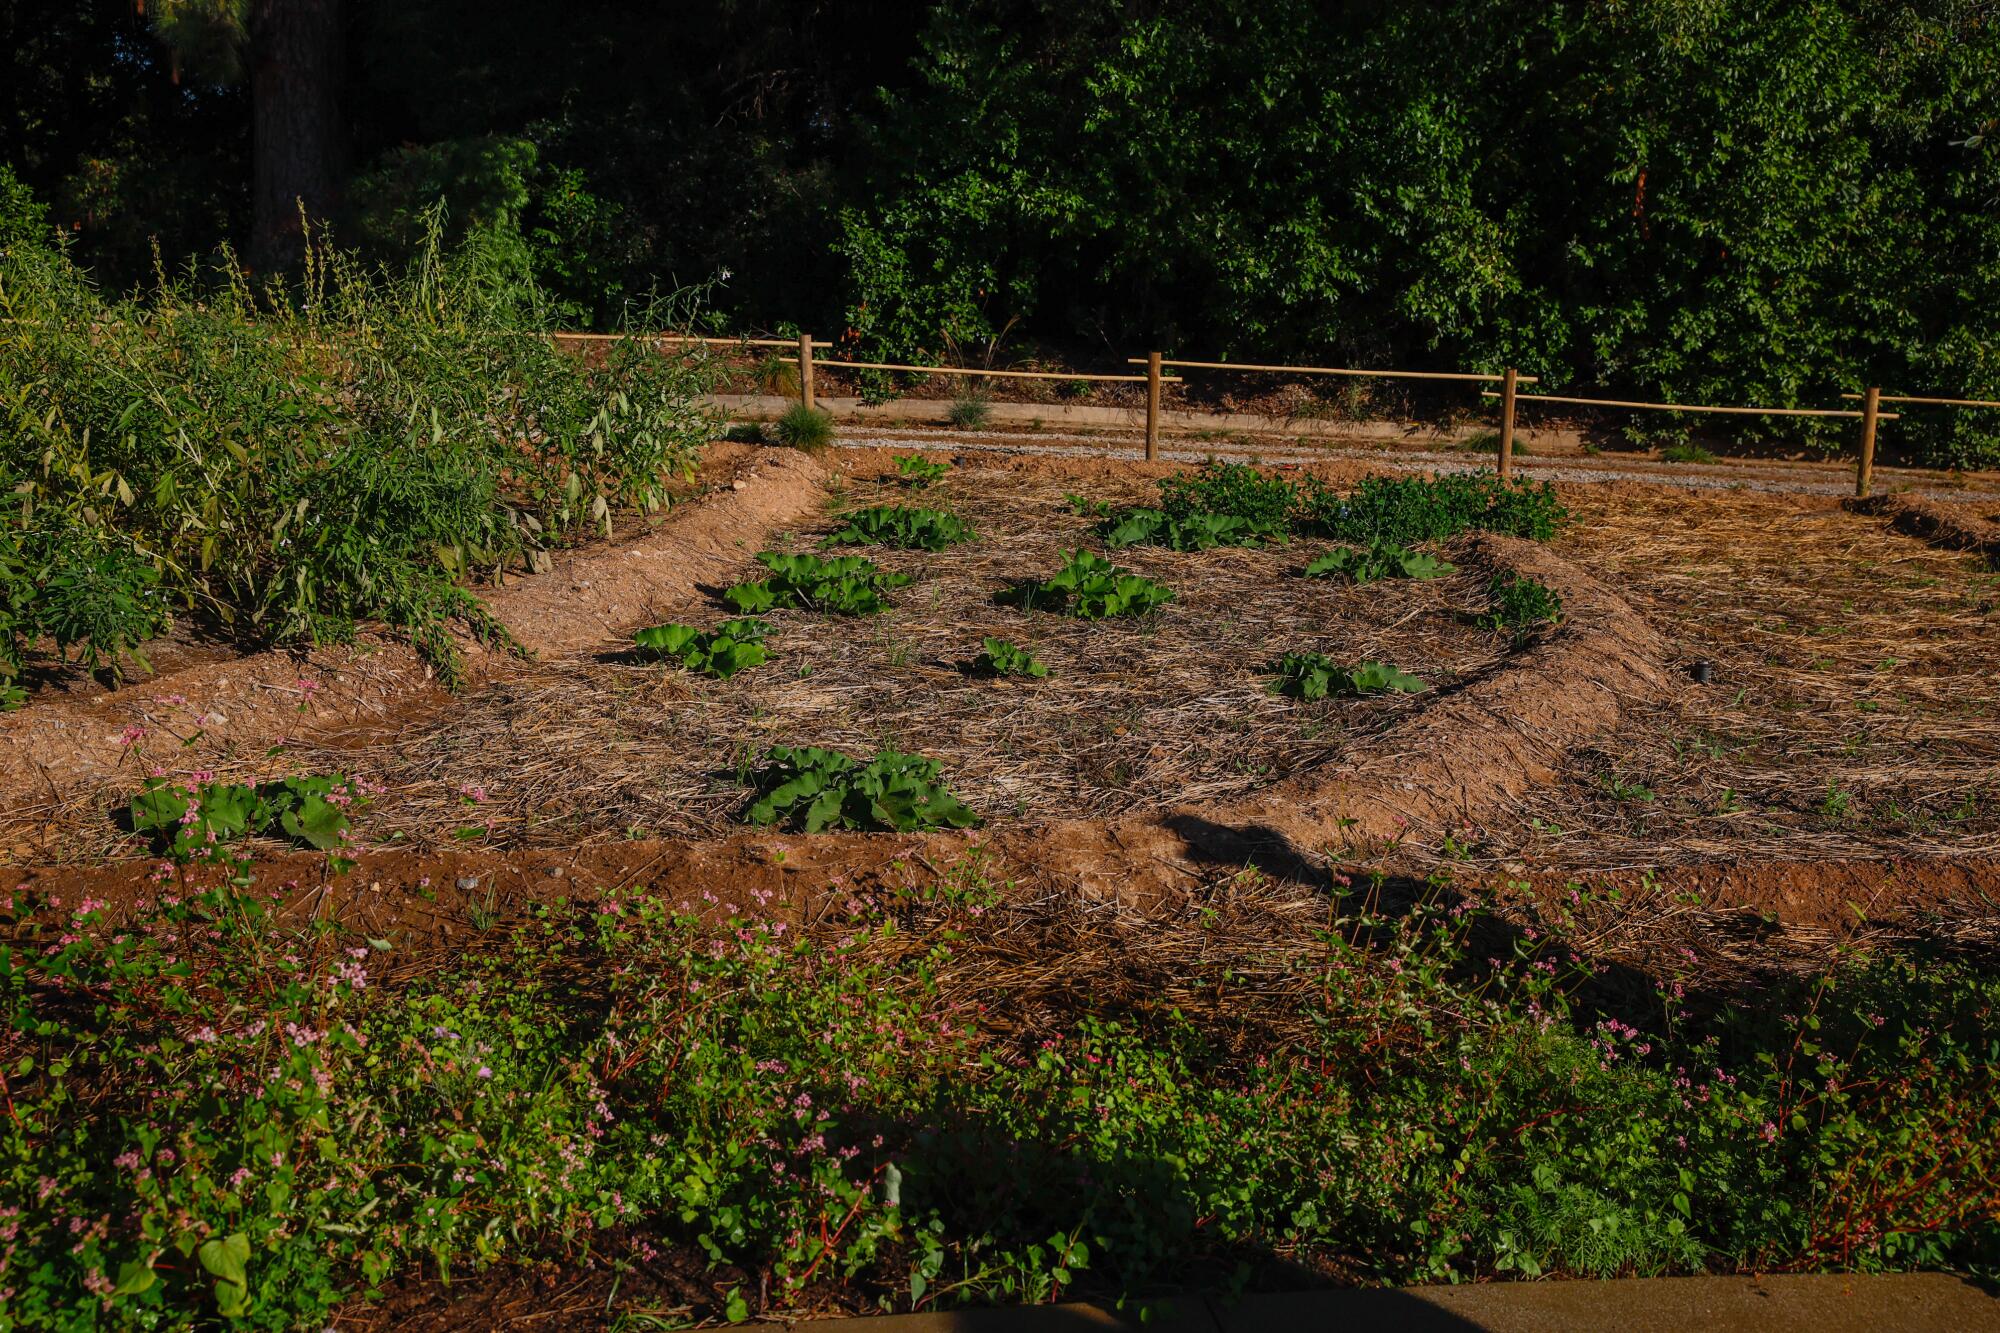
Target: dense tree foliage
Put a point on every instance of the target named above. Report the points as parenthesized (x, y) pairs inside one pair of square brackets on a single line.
[(1723, 200)]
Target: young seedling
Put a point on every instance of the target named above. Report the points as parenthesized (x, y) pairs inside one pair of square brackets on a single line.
[(920, 473), (1002, 657), (1316, 676), (1521, 606)]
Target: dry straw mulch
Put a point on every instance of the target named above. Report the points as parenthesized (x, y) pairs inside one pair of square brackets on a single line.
[(1855, 709), (1136, 713)]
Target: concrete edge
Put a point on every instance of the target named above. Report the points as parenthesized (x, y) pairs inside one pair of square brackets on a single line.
[(1790, 1303)]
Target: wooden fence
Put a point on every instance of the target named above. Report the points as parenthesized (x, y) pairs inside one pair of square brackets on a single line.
[(1869, 414)]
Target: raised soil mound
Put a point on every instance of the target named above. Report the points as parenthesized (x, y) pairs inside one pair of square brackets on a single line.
[(1965, 527), (51, 749)]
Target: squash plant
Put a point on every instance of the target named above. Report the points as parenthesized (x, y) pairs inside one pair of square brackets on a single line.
[(1381, 560), (732, 646), (816, 789), (1316, 676), (190, 822), (848, 585), (902, 526), (1092, 587)]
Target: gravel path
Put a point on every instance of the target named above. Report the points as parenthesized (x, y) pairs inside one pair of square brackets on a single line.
[(1784, 478)]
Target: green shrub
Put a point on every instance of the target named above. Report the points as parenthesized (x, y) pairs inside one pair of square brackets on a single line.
[(732, 646), (1090, 586), (1381, 560), (1316, 676), (904, 527), (745, 432), (803, 427), (1409, 511), (815, 790), (969, 412), (1002, 657), (1224, 504), (1521, 606), (848, 585)]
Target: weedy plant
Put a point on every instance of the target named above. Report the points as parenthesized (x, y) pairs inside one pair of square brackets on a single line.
[(815, 789), (803, 427), (848, 585), (1380, 560), (1521, 607), (1316, 676), (969, 412), (189, 1086), (903, 526), (1003, 657), (732, 646), (1090, 586), (198, 822), (281, 465), (918, 472)]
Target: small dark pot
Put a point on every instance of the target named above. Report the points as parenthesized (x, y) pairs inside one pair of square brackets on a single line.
[(1703, 672)]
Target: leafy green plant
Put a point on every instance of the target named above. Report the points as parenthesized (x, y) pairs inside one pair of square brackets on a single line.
[(732, 646), (643, 1079), (1521, 606), (1223, 504), (1090, 586), (920, 473), (803, 427), (198, 822), (1381, 560), (1316, 676), (1184, 532), (848, 585), (903, 526), (1002, 657), (816, 789), (969, 412), (746, 432), (1409, 511)]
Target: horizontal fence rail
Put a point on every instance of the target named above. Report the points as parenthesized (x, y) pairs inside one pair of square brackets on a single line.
[(974, 372), (1934, 402), (1350, 371), (1869, 414), (1708, 407)]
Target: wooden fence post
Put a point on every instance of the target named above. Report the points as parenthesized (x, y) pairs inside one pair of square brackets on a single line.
[(806, 370), (1152, 405), (1864, 471), (1507, 424)]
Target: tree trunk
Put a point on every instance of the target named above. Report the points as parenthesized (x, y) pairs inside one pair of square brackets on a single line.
[(296, 51)]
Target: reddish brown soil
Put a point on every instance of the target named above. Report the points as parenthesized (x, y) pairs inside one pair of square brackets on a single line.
[(54, 747)]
